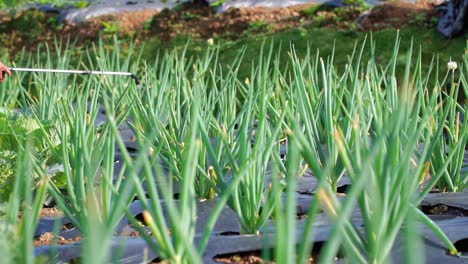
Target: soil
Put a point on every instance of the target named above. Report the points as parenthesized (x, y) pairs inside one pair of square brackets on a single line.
[(31, 27), (248, 258), (50, 212), (442, 209), (397, 15), (201, 21), (253, 257), (48, 238)]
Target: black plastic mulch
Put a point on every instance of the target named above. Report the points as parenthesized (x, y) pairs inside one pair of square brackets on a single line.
[(446, 209)]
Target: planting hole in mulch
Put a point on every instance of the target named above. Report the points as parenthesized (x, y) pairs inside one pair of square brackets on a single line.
[(75, 261), (462, 246), (142, 222), (130, 233), (159, 260), (442, 209), (283, 156), (300, 213), (176, 196), (244, 257), (67, 226), (255, 256), (140, 219), (228, 233), (137, 198), (343, 188)]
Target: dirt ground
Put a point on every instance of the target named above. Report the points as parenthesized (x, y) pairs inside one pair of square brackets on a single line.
[(397, 15), (28, 28), (48, 238), (254, 257)]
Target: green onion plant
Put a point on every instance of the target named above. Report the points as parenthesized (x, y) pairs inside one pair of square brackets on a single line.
[(449, 149)]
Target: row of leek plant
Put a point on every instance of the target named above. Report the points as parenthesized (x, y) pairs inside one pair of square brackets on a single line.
[(247, 150)]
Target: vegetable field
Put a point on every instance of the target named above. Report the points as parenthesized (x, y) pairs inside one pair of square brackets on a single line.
[(298, 163)]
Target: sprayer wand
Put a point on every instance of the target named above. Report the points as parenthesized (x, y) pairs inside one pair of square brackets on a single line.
[(131, 75)]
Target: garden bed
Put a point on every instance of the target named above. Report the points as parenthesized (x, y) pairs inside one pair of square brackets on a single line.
[(290, 156)]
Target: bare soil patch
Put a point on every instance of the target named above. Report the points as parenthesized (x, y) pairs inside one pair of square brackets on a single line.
[(50, 212), (201, 21), (253, 257), (397, 15), (48, 238)]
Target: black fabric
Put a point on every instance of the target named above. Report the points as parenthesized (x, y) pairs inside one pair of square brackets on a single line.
[(454, 19)]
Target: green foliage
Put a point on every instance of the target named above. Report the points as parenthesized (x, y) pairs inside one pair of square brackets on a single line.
[(81, 4), (29, 24), (12, 3), (217, 3), (8, 241), (110, 28), (148, 24), (259, 25), (188, 15), (356, 3), (7, 170), (312, 10), (20, 213), (449, 150), (14, 129), (217, 133)]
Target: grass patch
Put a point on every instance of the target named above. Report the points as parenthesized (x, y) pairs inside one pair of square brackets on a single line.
[(322, 39)]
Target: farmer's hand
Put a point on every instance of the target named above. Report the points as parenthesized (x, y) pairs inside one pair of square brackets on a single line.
[(3, 69)]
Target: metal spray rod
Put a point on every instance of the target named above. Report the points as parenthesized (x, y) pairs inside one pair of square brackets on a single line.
[(131, 75)]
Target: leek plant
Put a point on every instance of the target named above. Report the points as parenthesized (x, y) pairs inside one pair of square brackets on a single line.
[(322, 100), (449, 150), (285, 213), (391, 177), (246, 151)]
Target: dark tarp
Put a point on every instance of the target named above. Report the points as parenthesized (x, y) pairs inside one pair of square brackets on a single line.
[(453, 19)]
